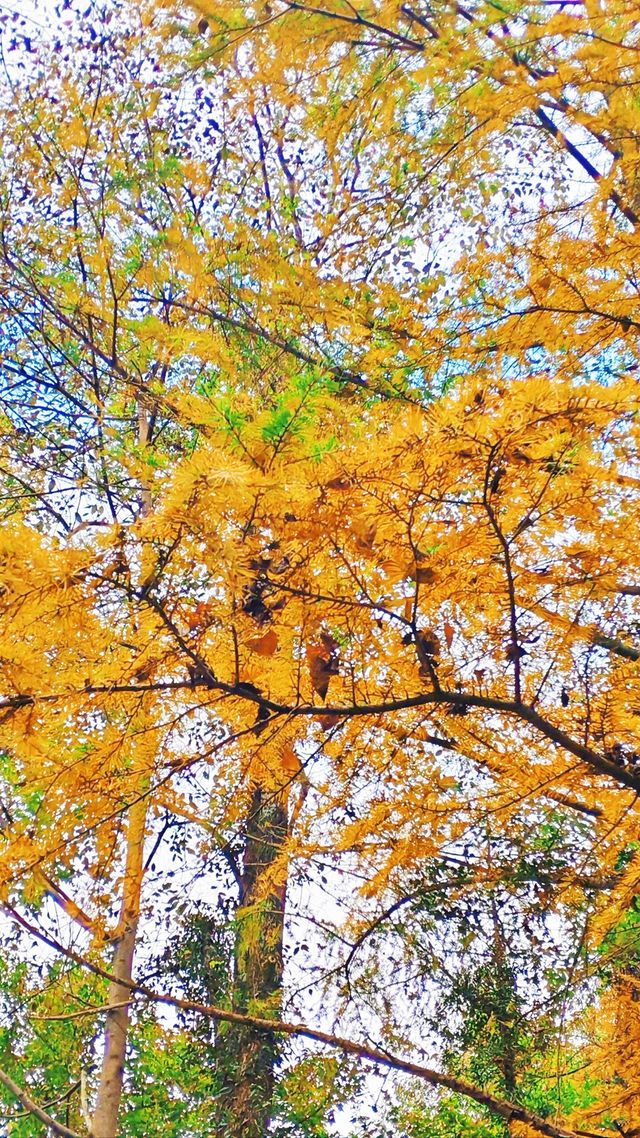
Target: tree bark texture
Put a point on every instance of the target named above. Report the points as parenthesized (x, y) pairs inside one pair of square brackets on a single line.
[(248, 1056), (105, 1117)]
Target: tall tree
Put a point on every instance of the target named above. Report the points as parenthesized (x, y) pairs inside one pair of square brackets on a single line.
[(320, 555)]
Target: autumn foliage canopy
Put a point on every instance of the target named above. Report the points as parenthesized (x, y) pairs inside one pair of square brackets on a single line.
[(320, 569)]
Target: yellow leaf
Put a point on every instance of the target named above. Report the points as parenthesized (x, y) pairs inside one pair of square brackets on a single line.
[(291, 764)]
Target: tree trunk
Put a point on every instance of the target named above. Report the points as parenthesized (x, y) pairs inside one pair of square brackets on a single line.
[(249, 1057), (506, 1012), (105, 1117)]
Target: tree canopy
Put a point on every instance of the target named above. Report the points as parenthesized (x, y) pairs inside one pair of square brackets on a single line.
[(319, 569)]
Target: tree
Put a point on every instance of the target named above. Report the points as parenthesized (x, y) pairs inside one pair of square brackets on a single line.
[(320, 554)]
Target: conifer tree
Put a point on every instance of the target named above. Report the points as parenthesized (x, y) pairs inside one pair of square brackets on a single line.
[(319, 566)]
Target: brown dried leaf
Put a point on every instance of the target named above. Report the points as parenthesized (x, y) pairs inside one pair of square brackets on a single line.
[(264, 645), (323, 663)]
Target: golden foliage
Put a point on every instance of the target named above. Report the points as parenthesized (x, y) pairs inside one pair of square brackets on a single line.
[(333, 472)]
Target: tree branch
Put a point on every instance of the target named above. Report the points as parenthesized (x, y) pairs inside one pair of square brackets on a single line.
[(32, 1108), (442, 698), (510, 1111)]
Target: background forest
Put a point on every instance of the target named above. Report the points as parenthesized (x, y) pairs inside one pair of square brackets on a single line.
[(320, 569)]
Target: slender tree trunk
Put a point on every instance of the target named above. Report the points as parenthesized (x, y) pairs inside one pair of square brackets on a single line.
[(105, 1117), (249, 1057)]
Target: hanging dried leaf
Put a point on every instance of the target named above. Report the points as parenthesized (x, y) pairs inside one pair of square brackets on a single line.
[(264, 645), (323, 663), (428, 643), (424, 575)]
